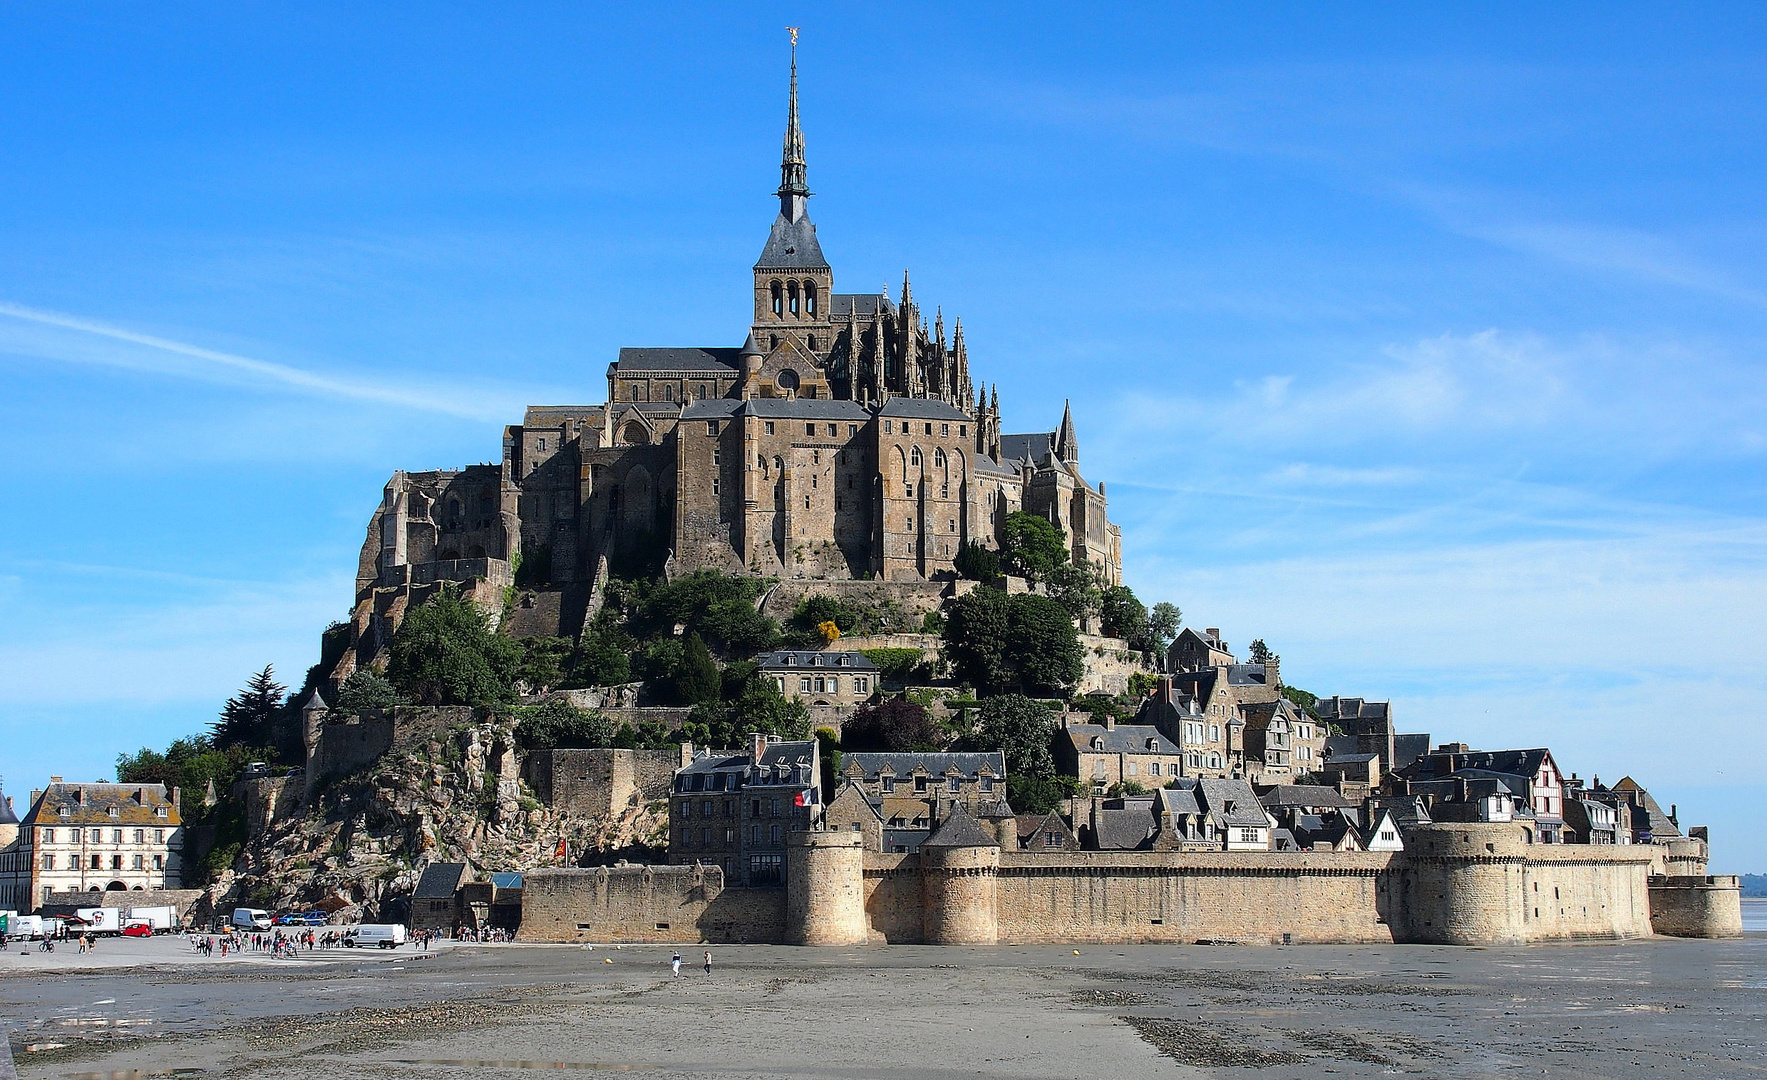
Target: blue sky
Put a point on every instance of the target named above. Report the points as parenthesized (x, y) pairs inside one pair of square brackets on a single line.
[(1426, 345)]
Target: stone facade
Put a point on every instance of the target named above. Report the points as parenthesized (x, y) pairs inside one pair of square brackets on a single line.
[(118, 838), (1455, 884), (602, 782), (843, 440)]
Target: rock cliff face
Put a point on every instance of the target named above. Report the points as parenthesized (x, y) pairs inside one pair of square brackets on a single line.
[(448, 788)]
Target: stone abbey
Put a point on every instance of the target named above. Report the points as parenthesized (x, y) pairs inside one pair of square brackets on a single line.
[(844, 439)]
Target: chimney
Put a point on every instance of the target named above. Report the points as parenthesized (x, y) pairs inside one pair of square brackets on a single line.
[(55, 779), (1213, 633), (1674, 816), (757, 742), (178, 799), (1110, 721), (686, 754), (1163, 690), (1461, 789)]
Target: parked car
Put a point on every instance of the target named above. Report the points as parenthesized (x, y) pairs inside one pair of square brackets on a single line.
[(138, 929), (248, 919), (314, 918)]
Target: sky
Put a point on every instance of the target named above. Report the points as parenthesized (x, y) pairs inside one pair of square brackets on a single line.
[(1423, 342)]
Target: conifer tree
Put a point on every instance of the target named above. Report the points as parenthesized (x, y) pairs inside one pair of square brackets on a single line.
[(247, 716)]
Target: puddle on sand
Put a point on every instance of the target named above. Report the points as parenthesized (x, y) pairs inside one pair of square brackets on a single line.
[(133, 1074), (456, 1063)]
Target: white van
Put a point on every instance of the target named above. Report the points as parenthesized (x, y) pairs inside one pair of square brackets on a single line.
[(250, 918), (25, 927), (385, 935)]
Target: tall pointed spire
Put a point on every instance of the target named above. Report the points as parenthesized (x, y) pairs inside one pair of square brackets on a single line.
[(1067, 445), (793, 185)]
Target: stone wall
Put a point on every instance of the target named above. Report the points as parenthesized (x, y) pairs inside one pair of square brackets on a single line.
[(603, 782), (1703, 907), (915, 598), (1456, 884), (659, 904), (268, 800), (63, 904), (1109, 663)]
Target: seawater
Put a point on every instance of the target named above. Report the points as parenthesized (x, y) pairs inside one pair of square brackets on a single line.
[(1754, 916)]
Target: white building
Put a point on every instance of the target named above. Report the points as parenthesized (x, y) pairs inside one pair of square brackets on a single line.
[(92, 838)]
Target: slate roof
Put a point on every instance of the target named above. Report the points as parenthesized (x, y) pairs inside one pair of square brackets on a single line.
[(788, 753), (922, 409), (1033, 447), (842, 304), (1512, 762), (1352, 708), (1125, 827), (1177, 801), (792, 245), (1030, 824), (538, 416), (440, 881), (7, 817), (1408, 748), (806, 409), (711, 409), (1125, 739), (136, 804), (1232, 803), (1303, 795), (904, 763), (960, 830), (792, 659), (506, 880), (720, 361), (982, 463)]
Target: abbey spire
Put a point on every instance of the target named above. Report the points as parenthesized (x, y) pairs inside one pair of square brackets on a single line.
[(1067, 444), (794, 189)]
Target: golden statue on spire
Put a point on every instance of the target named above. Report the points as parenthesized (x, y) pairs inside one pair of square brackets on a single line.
[(793, 31)]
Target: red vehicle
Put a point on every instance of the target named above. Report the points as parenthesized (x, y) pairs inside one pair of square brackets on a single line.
[(138, 929)]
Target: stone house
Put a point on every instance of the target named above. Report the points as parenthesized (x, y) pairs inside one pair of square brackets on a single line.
[(1531, 775), (735, 810), (1198, 651), (1367, 727), (1045, 833), (830, 684), (1282, 742), (1101, 755), (910, 793), (1648, 823), (93, 838), (1209, 744), (436, 902)]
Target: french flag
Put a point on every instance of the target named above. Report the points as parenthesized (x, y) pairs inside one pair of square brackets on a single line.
[(806, 797)]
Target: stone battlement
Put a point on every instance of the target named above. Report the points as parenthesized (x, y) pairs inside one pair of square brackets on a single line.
[(1472, 884)]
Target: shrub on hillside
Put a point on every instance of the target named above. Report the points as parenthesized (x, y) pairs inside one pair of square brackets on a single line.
[(444, 653)]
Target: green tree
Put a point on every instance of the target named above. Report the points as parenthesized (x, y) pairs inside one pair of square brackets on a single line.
[(602, 660), (1032, 546), (1076, 587), (1162, 625), (1039, 794), (894, 726), (557, 724), (977, 562), (444, 653), (1000, 643), (696, 678), (1022, 728), (717, 606), (367, 689), (543, 663), (760, 707), (1124, 616), (248, 715), (1309, 703)]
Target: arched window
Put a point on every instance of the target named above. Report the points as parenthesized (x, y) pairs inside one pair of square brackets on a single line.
[(938, 458), (810, 300), (635, 435), (791, 297), (702, 391), (761, 463), (1214, 761), (787, 380), (812, 341), (778, 299), (914, 458), (668, 393)]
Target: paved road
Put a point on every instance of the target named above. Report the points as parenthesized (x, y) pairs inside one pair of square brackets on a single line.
[(1654, 1008)]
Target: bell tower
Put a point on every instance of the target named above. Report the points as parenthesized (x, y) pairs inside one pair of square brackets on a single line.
[(793, 282)]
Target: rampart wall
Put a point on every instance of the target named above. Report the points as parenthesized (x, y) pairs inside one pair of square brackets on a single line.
[(602, 782), (1455, 884), (647, 904)]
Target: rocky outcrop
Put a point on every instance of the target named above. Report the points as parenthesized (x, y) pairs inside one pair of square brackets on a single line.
[(448, 788)]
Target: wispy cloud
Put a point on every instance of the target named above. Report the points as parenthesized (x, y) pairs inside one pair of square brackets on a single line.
[(73, 339)]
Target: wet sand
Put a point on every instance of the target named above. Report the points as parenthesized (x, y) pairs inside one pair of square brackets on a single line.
[(1652, 1008)]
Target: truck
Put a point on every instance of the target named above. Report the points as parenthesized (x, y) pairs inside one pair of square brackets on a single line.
[(162, 918), (251, 918), (25, 927), (384, 935), (101, 920)]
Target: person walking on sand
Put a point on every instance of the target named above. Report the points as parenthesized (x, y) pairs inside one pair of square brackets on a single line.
[(708, 961), (675, 964)]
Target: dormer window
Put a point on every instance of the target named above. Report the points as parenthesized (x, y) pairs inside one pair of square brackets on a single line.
[(115, 813), (790, 660), (846, 661)]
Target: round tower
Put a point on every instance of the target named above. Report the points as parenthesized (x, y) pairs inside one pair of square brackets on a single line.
[(1462, 884), (958, 866), (825, 888)]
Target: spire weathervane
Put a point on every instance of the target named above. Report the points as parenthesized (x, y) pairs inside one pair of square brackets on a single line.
[(793, 186)]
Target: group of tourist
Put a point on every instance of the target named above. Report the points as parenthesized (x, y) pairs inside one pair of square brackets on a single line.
[(482, 934)]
